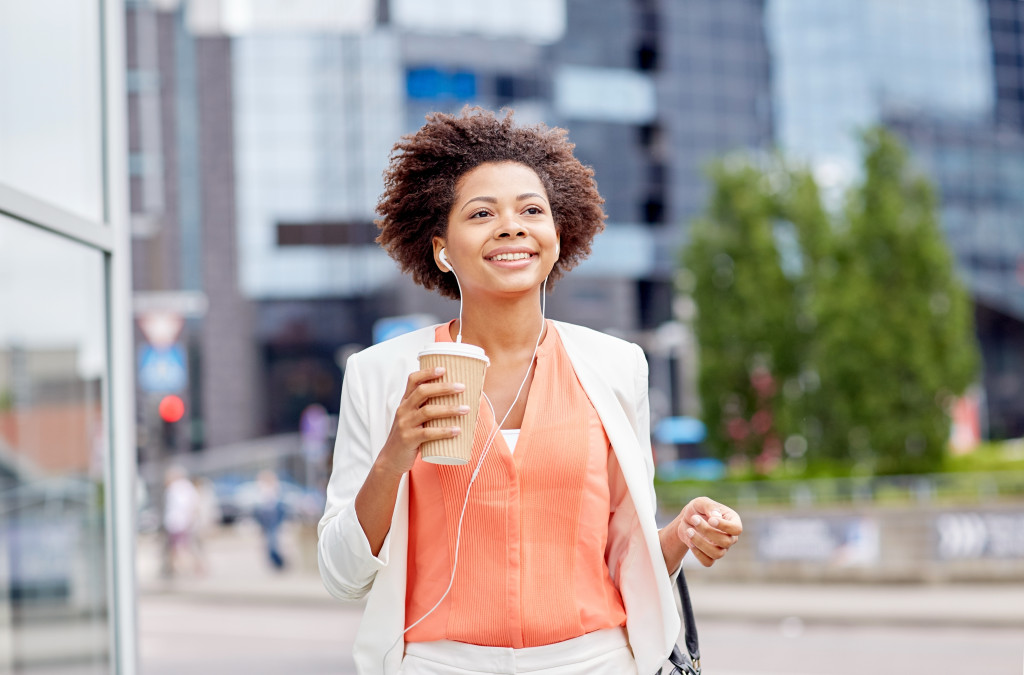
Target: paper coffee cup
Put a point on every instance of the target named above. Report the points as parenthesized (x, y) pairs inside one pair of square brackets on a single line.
[(462, 363)]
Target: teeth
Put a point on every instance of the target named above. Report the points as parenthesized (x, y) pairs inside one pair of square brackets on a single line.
[(511, 256)]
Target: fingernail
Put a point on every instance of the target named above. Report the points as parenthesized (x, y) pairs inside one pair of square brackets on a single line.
[(458, 386), (717, 514), (690, 532), (695, 520), (439, 370), (463, 409), (455, 431)]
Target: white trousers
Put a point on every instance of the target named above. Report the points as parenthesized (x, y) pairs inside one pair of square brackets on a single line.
[(603, 652)]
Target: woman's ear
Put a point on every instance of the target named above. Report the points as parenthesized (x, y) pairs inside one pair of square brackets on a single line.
[(441, 256)]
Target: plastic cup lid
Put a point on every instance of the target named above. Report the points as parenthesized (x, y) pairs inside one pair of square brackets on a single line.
[(456, 349)]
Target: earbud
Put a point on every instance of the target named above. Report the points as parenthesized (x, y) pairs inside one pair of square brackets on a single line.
[(558, 248), (444, 260)]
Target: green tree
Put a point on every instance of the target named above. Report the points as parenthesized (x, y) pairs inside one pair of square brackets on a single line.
[(749, 313), (894, 337), (828, 343)]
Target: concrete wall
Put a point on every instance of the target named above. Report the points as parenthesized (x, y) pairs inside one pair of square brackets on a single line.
[(871, 543)]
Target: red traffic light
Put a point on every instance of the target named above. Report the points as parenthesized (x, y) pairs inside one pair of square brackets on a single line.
[(172, 408)]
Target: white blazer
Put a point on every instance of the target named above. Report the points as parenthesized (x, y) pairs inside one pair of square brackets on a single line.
[(614, 375)]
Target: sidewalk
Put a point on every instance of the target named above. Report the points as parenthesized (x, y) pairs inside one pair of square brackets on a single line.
[(237, 569), (237, 572), (975, 605)]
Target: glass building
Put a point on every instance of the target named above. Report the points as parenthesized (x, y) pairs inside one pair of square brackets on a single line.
[(258, 146), (838, 67), (277, 126), (67, 450)]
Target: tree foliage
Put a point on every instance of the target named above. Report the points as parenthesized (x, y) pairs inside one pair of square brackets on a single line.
[(827, 341), (895, 337)]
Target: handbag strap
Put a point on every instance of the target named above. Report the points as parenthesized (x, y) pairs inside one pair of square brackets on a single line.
[(686, 663), (689, 623)]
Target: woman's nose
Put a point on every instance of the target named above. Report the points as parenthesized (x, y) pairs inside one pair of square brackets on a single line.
[(510, 227)]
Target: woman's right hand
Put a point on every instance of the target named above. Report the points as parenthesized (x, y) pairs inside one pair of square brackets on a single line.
[(408, 431)]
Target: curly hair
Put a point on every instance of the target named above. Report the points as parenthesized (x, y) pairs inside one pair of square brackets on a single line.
[(424, 170)]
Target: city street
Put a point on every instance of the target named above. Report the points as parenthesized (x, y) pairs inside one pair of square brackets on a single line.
[(240, 617), (188, 635)]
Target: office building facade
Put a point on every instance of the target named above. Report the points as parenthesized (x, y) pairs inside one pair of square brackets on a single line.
[(279, 163), (276, 131)]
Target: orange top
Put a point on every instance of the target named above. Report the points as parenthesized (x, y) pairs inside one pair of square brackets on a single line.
[(532, 569)]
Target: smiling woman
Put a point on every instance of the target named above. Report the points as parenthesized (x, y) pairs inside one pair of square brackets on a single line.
[(540, 554)]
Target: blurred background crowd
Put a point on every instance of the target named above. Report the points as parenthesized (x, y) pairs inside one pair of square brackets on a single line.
[(815, 232)]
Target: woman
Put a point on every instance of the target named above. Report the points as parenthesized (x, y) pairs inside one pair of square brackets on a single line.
[(558, 567)]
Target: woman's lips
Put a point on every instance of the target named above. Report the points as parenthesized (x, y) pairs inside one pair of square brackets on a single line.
[(511, 257), (518, 261)]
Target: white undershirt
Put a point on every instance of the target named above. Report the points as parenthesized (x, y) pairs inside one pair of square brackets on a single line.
[(511, 437)]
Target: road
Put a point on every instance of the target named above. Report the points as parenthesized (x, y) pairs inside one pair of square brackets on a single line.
[(190, 635)]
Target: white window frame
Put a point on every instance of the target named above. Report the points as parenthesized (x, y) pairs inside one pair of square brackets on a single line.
[(111, 236)]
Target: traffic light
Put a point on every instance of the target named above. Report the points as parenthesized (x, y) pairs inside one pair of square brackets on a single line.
[(171, 409)]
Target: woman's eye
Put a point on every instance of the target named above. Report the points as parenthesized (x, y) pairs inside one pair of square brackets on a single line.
[(480, 214), (534, 211)]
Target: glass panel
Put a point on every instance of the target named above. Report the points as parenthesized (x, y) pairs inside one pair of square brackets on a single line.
[(53, 444), (50, 107)]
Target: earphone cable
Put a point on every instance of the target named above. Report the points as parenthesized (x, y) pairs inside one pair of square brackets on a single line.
[(492, 434)]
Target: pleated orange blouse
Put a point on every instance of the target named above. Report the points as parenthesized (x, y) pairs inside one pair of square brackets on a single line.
[(532, 568)]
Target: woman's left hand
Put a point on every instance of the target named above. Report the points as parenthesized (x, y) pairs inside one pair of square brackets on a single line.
[(705, 527)]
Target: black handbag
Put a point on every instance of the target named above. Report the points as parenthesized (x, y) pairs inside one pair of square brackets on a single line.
[(685, 662)]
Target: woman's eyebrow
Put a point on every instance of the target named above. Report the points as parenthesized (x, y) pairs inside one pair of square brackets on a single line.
[(494, 200), (489, 200)]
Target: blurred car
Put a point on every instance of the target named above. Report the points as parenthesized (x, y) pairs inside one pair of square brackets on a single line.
[(49, 530), (239, 498)]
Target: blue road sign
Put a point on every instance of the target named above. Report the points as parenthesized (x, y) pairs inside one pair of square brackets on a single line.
[(680, 430), (162, 370), (393, 326)]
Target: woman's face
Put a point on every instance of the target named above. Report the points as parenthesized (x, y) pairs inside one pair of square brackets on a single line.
[(501, 237)]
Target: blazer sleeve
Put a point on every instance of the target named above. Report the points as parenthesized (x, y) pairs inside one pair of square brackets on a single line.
[(643, 420), (347, 565)]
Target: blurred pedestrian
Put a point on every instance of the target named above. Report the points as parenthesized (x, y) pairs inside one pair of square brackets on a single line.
[(181, 515), (270, 514), (313, 431), (207, 518)]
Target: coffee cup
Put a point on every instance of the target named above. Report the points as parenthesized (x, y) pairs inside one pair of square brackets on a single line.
[(462, 363)]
